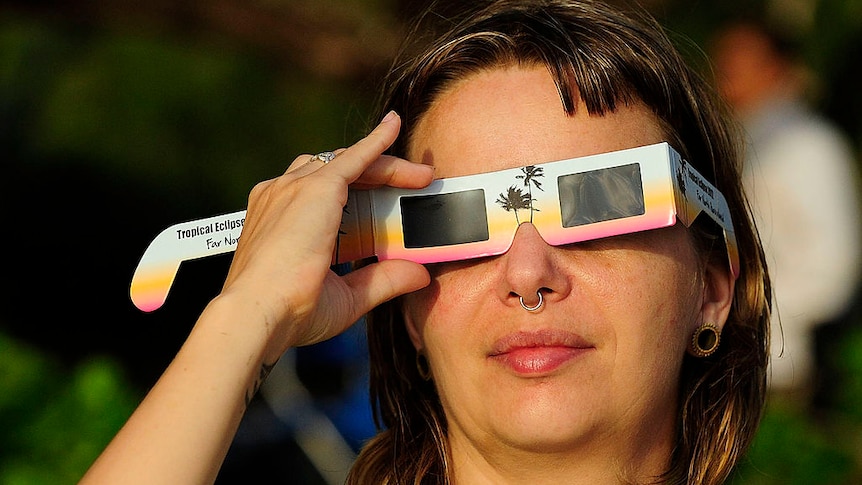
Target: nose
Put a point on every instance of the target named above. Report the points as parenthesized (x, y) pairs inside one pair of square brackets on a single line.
[(531, 266)]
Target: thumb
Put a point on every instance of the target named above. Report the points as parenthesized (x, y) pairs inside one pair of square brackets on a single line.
[(383, 281)]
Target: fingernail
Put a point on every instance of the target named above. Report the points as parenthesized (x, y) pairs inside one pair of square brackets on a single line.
[(389, 117)]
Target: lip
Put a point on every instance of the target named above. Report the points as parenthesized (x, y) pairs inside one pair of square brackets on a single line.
[(538, 353)]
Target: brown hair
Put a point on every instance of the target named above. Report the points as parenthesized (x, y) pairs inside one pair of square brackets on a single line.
[(605, 57)]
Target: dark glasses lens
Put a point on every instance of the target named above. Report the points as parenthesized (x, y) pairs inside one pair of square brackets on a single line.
[(601, 195), (444, 219)]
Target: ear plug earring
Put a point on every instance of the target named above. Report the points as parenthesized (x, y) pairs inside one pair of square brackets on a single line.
[(705, 340)]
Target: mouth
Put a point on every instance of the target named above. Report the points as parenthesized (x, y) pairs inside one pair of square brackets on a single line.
[(538, 353)]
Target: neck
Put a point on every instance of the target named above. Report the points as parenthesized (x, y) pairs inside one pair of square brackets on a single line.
[(593, 463)]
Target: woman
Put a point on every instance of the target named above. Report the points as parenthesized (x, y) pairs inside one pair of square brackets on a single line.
[(592, 362)]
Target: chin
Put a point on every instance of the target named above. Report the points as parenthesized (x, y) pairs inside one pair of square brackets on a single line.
[(551, 425)]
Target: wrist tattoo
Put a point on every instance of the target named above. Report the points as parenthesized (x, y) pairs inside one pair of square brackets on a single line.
[(265, 369)]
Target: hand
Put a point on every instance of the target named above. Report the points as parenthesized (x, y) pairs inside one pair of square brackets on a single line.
[(280, 273)]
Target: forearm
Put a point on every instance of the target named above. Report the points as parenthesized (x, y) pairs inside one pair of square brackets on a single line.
[(279, 293), (182, 430)]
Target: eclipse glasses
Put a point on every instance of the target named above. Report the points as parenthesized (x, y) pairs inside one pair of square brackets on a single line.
[(475, 216)]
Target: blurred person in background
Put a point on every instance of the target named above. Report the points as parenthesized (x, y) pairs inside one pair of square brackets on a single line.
[(801, 180)]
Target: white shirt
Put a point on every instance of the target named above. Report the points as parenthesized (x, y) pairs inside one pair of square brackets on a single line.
[(801, 181)]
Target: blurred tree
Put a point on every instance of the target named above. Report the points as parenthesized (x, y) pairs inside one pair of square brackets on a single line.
[(123, 123), (55, 420)]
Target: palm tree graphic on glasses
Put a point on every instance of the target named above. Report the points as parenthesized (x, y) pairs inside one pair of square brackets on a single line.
[(515, 199)]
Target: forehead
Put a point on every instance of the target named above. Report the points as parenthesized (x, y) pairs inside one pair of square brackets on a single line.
[(511, 117)]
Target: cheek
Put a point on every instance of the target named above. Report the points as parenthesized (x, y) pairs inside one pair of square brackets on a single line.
[(662, 302), (649, 345), (453, 286), (430, 304), (452, 298), (417, 307)]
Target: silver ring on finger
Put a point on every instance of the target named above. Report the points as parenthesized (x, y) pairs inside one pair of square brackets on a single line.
[(324, 157)]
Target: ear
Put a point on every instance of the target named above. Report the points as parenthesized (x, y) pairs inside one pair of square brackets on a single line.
[(718, 291), (412, 330)]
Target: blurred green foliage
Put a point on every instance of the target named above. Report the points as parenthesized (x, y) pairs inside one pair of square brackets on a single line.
[(164, 111), (797, 447), (55, 420), (791, 449)]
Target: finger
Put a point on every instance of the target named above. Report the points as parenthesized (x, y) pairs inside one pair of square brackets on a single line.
[(305, 164), (346, 300), (353, 161), (395, 172), (383, 281)]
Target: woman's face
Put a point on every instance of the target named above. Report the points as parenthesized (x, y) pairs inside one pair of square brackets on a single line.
[(594, 370)]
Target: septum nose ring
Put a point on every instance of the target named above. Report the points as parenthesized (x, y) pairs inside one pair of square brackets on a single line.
[(535, 307)]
